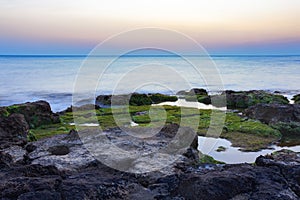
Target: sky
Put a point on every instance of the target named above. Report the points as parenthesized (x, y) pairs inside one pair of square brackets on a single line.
[(221, 27)]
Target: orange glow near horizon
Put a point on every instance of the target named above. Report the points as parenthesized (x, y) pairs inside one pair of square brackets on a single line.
[(212, 23)]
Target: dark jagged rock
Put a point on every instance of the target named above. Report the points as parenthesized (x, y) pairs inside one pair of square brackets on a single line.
[(196, 94), (284, 118), (193, 91), (134, 99), (288, 165), (245, 99), (274, 113), (275, 176), (13, 130), (36, 113)]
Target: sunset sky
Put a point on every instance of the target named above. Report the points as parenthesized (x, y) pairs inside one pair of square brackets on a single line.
[(222, 27)]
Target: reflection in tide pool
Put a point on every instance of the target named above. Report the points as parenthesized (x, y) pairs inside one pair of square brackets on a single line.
[(233, 155), (190, 104)]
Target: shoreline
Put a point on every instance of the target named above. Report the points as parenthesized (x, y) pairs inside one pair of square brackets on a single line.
[(59, 101), (236, 120)]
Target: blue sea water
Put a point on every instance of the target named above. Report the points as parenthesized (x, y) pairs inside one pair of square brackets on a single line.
[(52, 78)]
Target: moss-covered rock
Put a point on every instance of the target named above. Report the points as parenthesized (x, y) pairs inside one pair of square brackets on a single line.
[(274, 113), (196, 94), (200, 98), (245, 99), (36, 113), (159, 98), (296, 99), (135, 99), (288, 129), (206, 159), (193, 91)]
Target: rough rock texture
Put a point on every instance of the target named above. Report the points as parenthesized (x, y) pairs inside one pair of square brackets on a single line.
[(67, 153), (60, 167), (13, 130), (36, 113), (274, 113), (245, 99)]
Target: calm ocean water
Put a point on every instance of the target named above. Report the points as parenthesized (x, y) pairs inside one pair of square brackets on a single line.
[(52, 78)]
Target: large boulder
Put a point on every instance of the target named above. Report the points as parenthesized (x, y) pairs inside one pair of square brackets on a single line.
[(274, 113), (13, 130), (245, 99), (36, 113)]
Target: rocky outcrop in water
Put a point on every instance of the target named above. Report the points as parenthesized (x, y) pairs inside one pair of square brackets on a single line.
[(134, 99), (245, 99), (195, 94)]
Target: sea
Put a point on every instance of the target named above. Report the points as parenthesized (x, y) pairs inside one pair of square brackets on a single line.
[(56, 78)]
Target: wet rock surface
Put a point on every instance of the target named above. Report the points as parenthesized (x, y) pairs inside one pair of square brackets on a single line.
[(274, 113), (60, 167)]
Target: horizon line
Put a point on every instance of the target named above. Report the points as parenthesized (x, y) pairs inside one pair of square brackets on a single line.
[(145, 55)]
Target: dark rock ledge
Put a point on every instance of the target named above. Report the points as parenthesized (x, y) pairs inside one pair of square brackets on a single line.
[(61, 168)]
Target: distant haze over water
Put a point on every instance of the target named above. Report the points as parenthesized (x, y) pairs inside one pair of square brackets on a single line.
[(30, 78)]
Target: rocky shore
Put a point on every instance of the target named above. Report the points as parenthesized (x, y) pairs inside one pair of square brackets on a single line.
[(42, 157)]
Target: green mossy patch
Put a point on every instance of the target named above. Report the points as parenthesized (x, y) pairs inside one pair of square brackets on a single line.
[(135, 99), (50, 130), (221, 149), (3, 112), (200, 98), (246, 99), (159, 98), (235, 123), (206, 159), (13, 109), (296, 99), (245, 133)]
